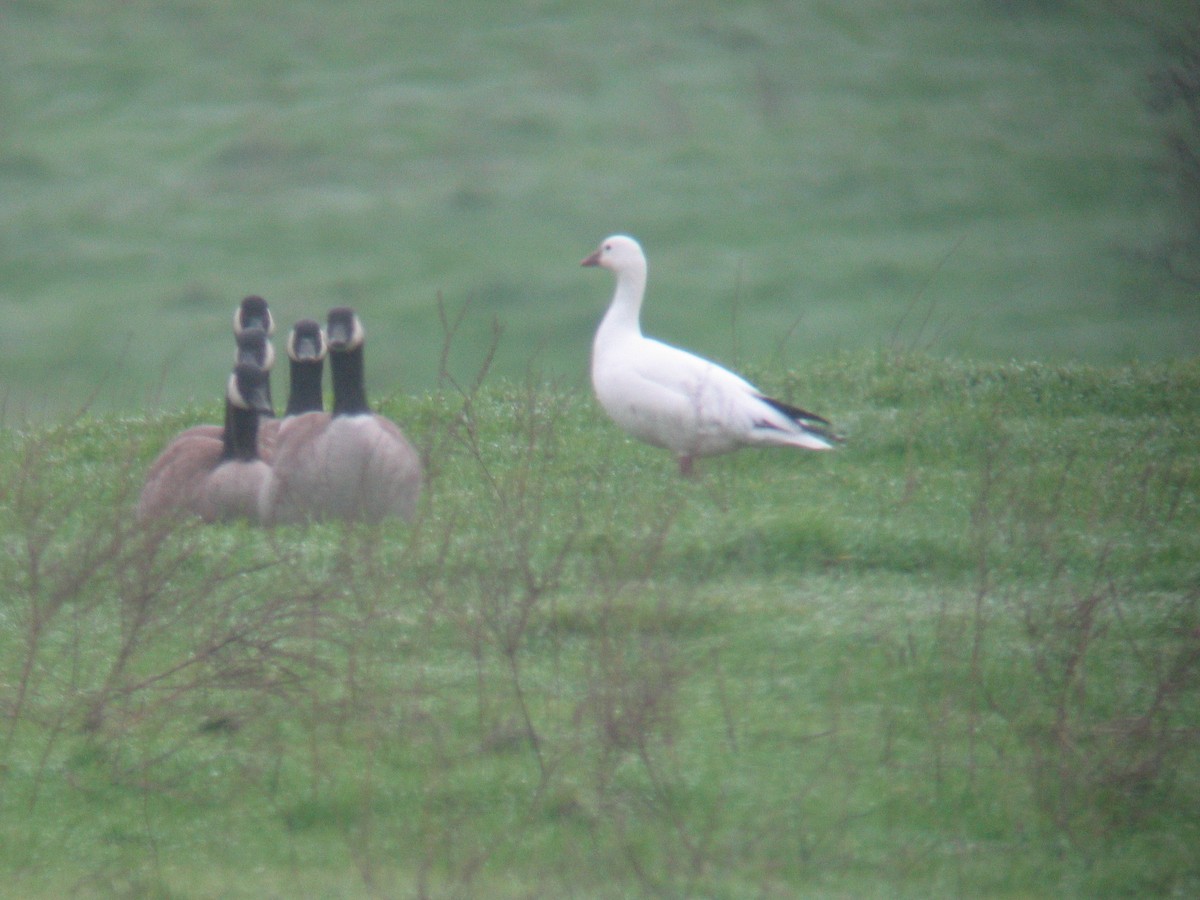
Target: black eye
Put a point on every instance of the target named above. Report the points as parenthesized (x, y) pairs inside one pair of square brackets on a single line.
[(608, 246)]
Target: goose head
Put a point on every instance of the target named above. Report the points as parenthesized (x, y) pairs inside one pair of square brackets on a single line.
[(253, 312), (253, 346), (306, 342), (247, 388), (618, 253), (344, 330)]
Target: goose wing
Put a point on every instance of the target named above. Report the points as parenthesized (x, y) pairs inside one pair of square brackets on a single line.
[(675, 399)]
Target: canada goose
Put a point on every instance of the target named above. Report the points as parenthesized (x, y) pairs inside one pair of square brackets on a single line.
[(671, 398), (215, 478), (253, 312), (253, 346), (350, 464), (306, 349)]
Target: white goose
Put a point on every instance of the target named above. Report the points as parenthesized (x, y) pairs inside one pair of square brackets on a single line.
[(673, 399)]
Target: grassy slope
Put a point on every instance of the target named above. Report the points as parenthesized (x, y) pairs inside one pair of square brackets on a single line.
[(820, 167), (956, 658)]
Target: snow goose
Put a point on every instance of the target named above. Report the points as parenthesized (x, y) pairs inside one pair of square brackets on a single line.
[(351, 464), (673, 399), (215, 478)]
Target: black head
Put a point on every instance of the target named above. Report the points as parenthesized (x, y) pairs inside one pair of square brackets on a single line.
[(306, 343), (253, 312), (344, 330), (253, 346), (247, 388)]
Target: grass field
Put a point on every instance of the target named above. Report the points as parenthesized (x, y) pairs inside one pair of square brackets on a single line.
[(960, 657), (974, 177), (957, 658)]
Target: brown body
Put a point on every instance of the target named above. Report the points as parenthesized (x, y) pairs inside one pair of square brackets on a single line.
[(176, 478), (231, 490), (352, 464), (214, 478), (253, 346), (349, 467)]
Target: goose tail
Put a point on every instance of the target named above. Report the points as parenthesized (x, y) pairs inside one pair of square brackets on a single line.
[(816, 432)]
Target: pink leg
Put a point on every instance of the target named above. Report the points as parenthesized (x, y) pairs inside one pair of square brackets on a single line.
[(685, 466)]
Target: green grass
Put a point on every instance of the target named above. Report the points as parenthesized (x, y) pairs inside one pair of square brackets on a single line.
[(975, 178), (956, 658)]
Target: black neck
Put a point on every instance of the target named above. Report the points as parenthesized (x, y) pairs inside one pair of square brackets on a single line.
[(305, 395), (241, 433), (349, 392)]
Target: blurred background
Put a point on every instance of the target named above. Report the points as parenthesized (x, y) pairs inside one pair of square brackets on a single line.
[(987, 178)]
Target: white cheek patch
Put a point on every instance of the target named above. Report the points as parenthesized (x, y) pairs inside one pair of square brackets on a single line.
[(359, 334), (309, 347), (235, 395)]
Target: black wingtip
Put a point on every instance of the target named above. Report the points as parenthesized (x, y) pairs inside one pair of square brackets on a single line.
[(802, 416), (810, 422)]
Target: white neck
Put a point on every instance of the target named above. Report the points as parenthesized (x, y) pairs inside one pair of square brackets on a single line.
[(624, 312)]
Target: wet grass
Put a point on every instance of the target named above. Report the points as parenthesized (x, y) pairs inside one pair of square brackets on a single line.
[(956, 658), (978, 179)]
